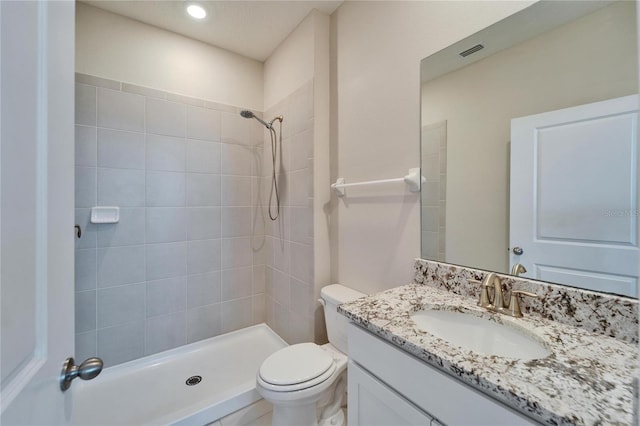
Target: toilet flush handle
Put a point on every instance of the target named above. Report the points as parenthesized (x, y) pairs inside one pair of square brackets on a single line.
[(322, 302)]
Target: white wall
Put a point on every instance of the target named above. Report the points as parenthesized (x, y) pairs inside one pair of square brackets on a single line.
[(376, 53), (118, 48)]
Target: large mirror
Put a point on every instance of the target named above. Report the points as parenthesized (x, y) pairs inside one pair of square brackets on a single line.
[(529, 147)]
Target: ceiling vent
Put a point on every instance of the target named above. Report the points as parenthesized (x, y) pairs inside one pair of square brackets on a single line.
[(471, 50)]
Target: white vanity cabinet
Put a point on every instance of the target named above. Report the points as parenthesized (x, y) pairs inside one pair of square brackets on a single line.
[(390, 387)]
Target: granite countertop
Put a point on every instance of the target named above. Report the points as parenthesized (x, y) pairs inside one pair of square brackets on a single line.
[(586, 380)]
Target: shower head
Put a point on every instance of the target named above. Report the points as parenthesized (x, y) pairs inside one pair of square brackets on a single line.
[(248, 114)]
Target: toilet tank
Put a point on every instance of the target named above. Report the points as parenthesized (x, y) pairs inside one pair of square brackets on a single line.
[(333, 295)]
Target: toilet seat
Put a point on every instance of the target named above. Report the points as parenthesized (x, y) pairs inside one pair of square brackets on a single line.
[(296, 367)]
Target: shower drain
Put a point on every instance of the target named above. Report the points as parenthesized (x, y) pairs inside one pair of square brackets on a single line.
[(193, 380)]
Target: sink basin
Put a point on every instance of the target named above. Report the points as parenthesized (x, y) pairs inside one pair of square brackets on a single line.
[(479, 335)]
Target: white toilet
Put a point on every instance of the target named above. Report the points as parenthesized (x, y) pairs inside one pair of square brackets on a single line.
[(306, 383)]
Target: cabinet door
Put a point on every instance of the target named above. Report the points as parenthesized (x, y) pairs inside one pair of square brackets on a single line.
[(372, 403)]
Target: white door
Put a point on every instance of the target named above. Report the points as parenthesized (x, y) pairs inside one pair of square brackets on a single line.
[(574, 195), (36, 210)]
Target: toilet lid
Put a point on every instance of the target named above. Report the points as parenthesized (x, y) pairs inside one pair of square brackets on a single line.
[(295, 364)]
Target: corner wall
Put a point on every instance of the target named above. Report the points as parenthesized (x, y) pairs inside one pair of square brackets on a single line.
[(376, 53)]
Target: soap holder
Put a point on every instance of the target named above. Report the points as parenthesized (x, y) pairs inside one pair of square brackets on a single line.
[(104, 214)]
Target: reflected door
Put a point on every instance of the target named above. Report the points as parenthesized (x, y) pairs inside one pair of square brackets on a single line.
[(574, 195), (36, 214)]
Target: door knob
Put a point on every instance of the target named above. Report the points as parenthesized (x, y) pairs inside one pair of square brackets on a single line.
[(88, 370), (517, 251)]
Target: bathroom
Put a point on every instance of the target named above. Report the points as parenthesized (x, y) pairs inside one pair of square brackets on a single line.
[(348, 93)]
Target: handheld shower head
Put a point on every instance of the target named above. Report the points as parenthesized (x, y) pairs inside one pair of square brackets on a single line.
[(248, 114)]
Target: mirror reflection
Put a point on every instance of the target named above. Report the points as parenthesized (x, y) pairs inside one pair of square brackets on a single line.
[(529, 147)]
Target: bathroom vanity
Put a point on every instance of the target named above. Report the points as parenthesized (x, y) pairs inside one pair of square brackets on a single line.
[(400, 373)]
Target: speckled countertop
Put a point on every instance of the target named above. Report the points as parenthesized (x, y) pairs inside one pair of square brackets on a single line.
[(587, 379)]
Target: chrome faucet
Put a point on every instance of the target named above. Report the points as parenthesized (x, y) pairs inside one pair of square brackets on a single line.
[(497, 302)]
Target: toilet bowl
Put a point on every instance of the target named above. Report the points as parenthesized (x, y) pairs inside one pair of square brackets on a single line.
[(306, 382)]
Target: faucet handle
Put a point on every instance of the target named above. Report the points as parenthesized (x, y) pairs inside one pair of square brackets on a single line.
[(485, 300), (514, 303)]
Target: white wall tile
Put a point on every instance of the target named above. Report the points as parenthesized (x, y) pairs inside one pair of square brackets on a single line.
[(165, 332), (236, 129), (166, 296), (166, 260), (165, 189), (119, 149), (86, 345), (203, 190), (281, 250), (302, 262), (203, 157), (85, 191), (165, 153), (236, 191), (236, 252), (121, 265), (121, 187), (203, 289), (166, 224), (236, 283), (86, 269), (166, 118), (302, 300), (121, 305), (203, 256), (85, 310), (236, 159), (203, 124), (259, 276), (121, 343), (86, 146), (85, 104), (301, 149), (236, 314), (258, 306), (120, 110), (89, 235), (236, 221), (203, 322), (130, 230), (299, 189), (203, 223)]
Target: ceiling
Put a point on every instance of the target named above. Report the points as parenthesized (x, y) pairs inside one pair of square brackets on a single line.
[(249, 28)]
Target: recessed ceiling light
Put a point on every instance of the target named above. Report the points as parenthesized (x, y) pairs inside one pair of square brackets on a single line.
[(196, 11)]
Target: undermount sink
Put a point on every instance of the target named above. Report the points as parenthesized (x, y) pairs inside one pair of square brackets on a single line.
[(479, 335)]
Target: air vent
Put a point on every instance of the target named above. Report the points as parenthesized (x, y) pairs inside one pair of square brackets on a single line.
[(471, 50)]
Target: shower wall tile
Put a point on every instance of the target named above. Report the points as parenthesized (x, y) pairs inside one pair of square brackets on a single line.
[(86, 146), (203, 124), (236, 283), (120, 110), (165, 332), (166, 224), (203, 289), (203, 223), (121, 305), (121, 343), (86, 104), (118, 149), (236, 221), (203, 157), (165, 153), (86, 193), (85, 308), (166, 260), (121, 187), (203, 322), (130, 230), (236, 314), (203, 256), (165, 117), (186, 259), (165, 189), (166, 296), (120, 265), (85, 270), (203, 190)]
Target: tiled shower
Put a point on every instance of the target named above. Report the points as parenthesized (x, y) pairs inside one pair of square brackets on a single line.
[(194, 254)]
